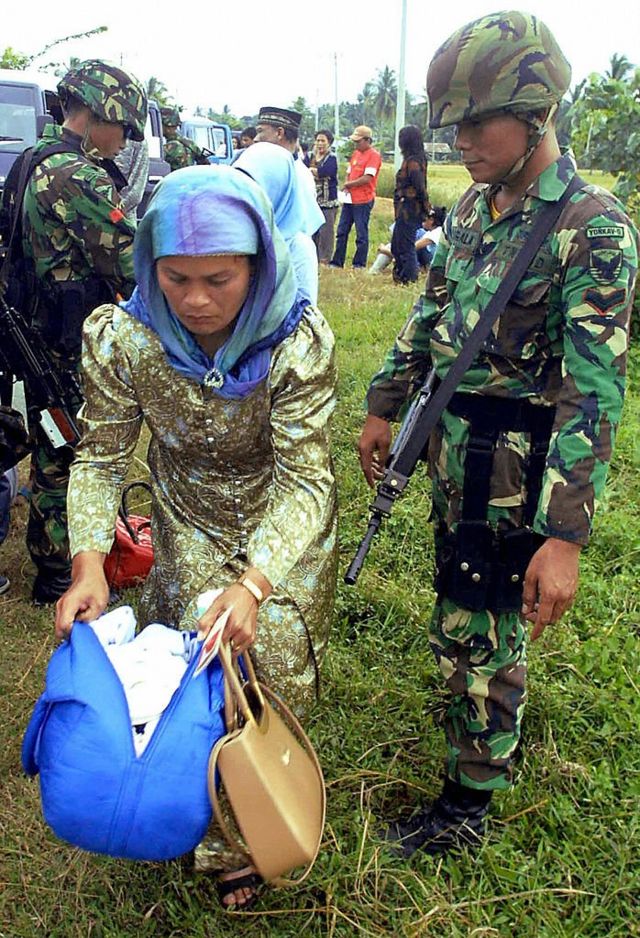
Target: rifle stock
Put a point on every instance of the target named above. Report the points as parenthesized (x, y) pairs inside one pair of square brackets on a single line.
[(405, 452)]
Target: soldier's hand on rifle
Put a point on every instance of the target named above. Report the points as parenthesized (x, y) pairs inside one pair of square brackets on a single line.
[(374, 445), (88, 595), (550, 583)]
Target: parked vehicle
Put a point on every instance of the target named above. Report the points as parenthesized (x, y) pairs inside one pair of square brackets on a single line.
[(158, 166), (28, 101), (214, 139)]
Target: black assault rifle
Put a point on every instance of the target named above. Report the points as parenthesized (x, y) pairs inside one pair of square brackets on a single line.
[(53, 393), (405, 453)]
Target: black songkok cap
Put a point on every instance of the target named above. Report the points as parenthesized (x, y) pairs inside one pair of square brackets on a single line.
[(280, 117)]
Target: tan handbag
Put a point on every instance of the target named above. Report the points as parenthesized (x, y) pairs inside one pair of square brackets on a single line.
[(271, 777)]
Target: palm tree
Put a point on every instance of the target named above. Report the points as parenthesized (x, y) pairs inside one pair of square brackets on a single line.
[(157, 90), (619, 66), (385, 92)]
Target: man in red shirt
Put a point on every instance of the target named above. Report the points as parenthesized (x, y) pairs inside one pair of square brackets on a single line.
[(359, 195)]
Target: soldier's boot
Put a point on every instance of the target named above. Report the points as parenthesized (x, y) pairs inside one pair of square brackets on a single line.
[(48, 587), (456, 819)]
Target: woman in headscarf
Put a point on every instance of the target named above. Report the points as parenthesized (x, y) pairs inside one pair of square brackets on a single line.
[(297, 215), (233, 373)]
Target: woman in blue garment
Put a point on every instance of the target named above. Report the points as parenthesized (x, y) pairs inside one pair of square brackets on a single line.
[(232, 371), (296, 216)]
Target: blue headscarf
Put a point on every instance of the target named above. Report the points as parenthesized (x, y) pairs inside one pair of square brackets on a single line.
[(214, 210), (273, 167)]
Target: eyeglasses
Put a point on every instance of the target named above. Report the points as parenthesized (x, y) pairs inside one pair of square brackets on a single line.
[(129, 132)]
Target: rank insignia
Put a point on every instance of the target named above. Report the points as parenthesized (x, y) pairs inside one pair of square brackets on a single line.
[(605, 264)]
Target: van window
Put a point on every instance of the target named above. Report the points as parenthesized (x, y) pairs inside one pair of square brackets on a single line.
[(153, 142), (201, 137), (17, 118), (219, 143)]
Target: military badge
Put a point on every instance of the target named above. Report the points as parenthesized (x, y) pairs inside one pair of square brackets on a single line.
[(605, 264)]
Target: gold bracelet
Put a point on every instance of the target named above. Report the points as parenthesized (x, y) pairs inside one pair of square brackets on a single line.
[(253, 588)]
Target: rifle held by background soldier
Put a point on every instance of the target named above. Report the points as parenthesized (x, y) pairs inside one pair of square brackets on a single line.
[(53, 393)]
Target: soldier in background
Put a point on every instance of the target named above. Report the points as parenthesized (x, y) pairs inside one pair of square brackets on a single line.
[(179, 151), (521, 453), (80, 246)]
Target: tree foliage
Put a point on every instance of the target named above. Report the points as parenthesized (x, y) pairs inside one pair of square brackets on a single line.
[(606, 130)]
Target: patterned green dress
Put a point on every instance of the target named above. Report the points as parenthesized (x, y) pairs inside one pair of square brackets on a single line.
[(236, 483)]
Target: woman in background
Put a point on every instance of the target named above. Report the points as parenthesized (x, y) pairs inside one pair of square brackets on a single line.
[(324, 167), (410, 204)]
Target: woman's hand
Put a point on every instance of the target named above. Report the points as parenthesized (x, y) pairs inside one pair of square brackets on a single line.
[(374, 445), (88, 595), (243, 616), (550, 583)]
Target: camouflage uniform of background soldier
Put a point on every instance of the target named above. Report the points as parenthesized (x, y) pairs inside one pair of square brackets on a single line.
[(179, 151), (555, 363), (81, 247)]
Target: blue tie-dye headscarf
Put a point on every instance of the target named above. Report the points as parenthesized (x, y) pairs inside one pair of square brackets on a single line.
[(216, 210)]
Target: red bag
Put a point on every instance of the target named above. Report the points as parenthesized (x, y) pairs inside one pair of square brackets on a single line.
[(131, 556)]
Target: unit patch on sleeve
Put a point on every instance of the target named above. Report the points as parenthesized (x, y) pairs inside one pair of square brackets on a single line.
[(605, 264)]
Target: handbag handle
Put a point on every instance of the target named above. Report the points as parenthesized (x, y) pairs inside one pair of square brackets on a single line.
[(123, 510), (262, 692)]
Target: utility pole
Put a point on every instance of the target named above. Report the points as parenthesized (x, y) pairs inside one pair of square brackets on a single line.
[(336, 114), (397, 159)]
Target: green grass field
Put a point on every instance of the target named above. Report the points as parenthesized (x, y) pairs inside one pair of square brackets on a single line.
[(561, 859)]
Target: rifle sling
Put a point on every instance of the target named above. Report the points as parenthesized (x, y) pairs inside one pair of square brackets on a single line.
[(407, 458)]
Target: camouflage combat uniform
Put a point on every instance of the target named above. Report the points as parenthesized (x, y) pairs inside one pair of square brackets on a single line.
[(562, 341), (180, 151), (74, 231)]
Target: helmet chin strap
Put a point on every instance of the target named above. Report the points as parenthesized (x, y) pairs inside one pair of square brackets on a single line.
[(537, 131), (90, 150)]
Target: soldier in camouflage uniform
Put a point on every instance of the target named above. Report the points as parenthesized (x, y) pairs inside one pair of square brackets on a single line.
[(80, 245), (179, 151), (520, 455)]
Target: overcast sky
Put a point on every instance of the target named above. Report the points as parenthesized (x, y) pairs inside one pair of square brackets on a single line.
[(253, 52)]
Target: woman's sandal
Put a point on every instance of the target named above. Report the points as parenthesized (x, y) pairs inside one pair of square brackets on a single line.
[(246, 878)]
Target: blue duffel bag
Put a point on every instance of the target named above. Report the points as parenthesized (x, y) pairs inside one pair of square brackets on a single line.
[(96, 793)]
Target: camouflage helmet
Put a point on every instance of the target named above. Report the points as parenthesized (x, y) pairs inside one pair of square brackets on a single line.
[(506, 61), (109, 92), (170, 116)]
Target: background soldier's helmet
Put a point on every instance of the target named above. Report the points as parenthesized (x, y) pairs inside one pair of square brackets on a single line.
[(170, 116), (506, 61), (112, 94)]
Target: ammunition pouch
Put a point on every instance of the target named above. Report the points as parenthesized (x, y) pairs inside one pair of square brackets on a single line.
[(476, 566), (479, 569), (63, 308)]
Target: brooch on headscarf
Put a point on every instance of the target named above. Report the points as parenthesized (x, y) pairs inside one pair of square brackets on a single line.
[(213, 379)]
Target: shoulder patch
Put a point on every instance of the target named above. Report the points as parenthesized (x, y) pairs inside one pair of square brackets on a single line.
[(601, 303), (605, 231), (605, 264)]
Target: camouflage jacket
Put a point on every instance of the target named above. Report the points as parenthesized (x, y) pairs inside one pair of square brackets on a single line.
[(562, 338), (180, 151), (73, 224)]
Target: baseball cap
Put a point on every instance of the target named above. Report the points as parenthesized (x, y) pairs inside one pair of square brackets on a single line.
[(360, 132)]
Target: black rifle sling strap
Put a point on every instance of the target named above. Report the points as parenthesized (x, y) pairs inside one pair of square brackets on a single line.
[(28, 164), (544, 223)]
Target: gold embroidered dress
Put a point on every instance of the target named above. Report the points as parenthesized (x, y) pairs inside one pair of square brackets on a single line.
[(236, 483)]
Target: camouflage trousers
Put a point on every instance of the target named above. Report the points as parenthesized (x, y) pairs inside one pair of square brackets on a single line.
[(482, 657), (47, 537)]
